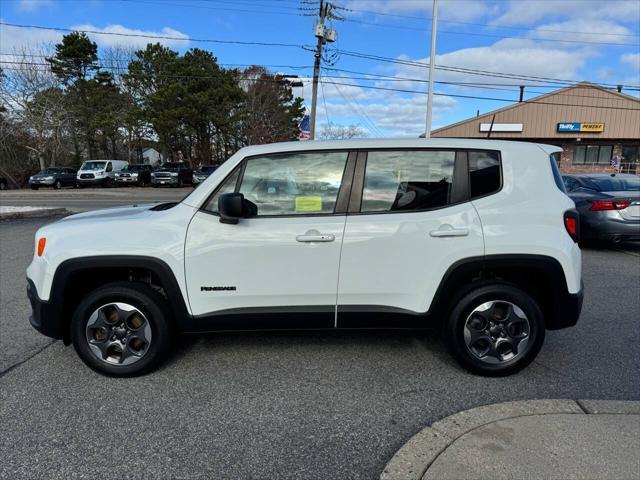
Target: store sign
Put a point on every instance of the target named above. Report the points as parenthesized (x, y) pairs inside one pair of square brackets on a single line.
[(501, 127), (577, 127)]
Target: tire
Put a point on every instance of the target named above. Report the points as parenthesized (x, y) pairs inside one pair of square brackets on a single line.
[(180, 183), (141, 182), (57, 185), (3, 186), (502, 322), (113, 297)]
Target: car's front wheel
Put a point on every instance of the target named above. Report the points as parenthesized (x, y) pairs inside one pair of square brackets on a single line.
[(495, 329), (57, 185), (122, 329)]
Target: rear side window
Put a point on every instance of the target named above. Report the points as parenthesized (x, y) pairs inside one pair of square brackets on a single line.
[(556, 174), (484, 173), (407, 180)]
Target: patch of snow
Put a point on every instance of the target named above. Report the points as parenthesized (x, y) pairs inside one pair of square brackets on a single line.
[(4, 209)]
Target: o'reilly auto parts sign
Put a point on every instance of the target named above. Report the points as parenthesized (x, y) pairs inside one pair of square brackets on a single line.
[(578, 127)]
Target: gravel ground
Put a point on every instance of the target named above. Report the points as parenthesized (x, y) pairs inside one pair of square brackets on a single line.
[(277, 405)]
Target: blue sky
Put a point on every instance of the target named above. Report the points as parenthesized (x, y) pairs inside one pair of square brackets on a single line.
[(592, 40)]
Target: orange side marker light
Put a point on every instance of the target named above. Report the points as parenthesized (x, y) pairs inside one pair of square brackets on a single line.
[(41, 244)]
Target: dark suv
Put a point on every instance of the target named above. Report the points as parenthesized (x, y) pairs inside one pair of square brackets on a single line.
[(56, 177), (176, 174), (137, 174)]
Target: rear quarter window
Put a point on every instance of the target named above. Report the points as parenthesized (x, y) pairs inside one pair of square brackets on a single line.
[(556, 174), (485, 175)]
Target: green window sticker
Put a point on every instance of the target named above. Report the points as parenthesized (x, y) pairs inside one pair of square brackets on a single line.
[(308, 203)]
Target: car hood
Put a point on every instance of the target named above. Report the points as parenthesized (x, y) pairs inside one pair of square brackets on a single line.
[(132, 212), (40, 175)]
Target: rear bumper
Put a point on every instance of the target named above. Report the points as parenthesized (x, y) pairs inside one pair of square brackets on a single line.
[(567, 309), (44, 316), (608, 225)]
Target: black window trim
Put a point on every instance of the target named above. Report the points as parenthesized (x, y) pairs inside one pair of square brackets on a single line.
[(346, 183), (461, 190), (597, 162), (356, 161)]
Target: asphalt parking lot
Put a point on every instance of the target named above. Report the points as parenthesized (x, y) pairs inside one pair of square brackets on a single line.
[(280, 405)]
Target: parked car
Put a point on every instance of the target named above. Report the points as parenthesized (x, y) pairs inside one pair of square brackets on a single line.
[(99, 172), (175, 174), (609, 205), (136, 174), (202, 174), (306, 234), (3, 183), (56, 177)]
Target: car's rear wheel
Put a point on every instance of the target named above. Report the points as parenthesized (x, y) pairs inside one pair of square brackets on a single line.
[(495, 329), (57, 185), (122, 329)]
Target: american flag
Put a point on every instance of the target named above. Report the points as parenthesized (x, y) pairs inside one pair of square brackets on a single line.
[(305, 128)]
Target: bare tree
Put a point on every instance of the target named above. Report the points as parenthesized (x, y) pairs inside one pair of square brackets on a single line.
[(332, 131), (33, 101)]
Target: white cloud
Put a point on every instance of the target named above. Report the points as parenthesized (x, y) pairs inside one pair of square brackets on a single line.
[(567, 30), (517, 12), (15, 39), (123, 39), (33, 5), (631, 59), (517, 56), (459, 10)]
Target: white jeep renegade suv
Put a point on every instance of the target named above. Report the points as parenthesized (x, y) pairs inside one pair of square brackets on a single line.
[(476, 237)]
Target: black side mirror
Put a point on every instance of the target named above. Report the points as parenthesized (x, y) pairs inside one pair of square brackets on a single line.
[(233, 206)]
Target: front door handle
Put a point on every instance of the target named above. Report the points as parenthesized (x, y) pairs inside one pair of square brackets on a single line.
[(315, 236), (447, 230)]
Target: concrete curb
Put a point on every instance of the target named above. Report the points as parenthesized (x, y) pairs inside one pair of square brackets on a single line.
[(44, 212), (414, 458)]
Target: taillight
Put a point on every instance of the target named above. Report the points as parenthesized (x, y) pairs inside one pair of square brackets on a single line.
[(572, 224), (599, 205)]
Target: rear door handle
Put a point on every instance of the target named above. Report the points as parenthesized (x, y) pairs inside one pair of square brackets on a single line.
[(448, 231), (315, 236)]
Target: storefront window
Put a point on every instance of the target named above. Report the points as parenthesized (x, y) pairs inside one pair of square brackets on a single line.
[(630, 159), (600, 154)]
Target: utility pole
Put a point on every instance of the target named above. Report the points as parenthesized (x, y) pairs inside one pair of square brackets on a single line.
[(323, 35), (432, 59)]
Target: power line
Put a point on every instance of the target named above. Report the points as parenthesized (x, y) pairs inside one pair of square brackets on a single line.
[(156, 37), (374, 128), (308, 48), (419, 92)]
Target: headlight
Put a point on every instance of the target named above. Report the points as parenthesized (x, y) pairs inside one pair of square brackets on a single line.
[(153, 174), (31, 178), (99, 174), (173, 174), (134, 174), (47, 178)]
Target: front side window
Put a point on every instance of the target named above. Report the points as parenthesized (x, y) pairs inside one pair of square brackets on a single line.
[(109, 167), (228, 186), (407, 180), (294, 183), (484, 173)]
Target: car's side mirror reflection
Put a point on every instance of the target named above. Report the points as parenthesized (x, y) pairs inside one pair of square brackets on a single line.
[(233, 206)]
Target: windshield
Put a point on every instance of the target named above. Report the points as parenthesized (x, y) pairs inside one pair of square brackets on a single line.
[(49, 171), (93, 165), (133, 168), (616, 184), (208, 169)]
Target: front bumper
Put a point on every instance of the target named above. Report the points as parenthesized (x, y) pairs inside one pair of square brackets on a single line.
[(91, 181), (39, 183), (126, 179), (44, 317), (164, 181)]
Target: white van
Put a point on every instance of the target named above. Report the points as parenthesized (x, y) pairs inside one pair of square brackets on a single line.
[(99, 172)]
